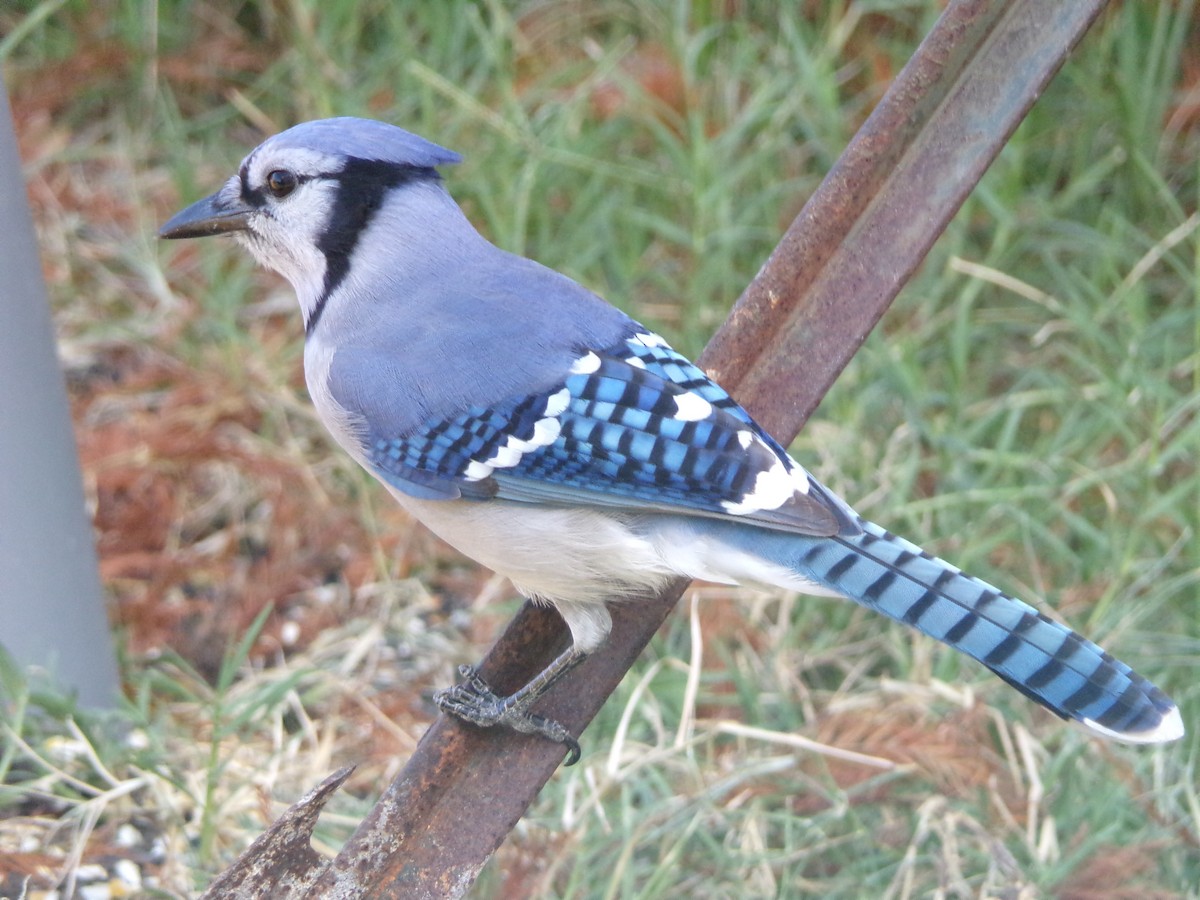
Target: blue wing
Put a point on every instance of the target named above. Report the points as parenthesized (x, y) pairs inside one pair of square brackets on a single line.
[(637, 427)]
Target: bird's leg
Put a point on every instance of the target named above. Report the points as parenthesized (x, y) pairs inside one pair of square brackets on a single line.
[(474, 701)]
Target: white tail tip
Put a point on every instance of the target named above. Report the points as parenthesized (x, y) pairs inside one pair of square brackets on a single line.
[(1169, 729)]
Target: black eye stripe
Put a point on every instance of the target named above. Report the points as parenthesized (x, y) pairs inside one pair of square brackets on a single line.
[(258, 196), (251, 196)]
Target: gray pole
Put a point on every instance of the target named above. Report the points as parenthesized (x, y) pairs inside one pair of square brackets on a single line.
[(51, 605)]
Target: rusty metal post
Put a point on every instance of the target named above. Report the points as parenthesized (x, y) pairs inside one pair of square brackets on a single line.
[(281, 863), (838, 267)]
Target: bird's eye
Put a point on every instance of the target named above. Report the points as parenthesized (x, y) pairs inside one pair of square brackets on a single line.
[(281, 182)]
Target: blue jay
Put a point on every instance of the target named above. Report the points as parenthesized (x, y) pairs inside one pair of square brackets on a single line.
[(552, 438)]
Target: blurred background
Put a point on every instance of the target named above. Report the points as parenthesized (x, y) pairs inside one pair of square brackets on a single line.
[(1028, 409)]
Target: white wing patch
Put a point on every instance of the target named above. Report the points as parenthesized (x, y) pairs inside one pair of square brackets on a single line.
[(509, 453), (586, 364), (773, 487), (650, 339), (476, 471), (556, 404), (691, 407)]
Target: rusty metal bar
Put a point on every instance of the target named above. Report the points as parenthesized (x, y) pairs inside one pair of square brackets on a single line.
[(281, 862), (888, 197), (838, 267)]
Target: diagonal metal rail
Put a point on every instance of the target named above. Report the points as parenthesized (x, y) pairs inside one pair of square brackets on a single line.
[(835, 271)]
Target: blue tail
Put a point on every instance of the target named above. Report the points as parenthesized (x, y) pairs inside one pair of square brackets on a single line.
[(1042, 659)]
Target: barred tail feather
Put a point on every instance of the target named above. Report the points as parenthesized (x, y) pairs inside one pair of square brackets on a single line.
[(1044, 660)]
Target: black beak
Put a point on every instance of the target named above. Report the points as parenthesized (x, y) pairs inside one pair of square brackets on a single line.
[(212, 215)]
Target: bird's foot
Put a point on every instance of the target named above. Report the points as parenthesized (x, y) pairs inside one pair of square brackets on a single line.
[(474, 701)]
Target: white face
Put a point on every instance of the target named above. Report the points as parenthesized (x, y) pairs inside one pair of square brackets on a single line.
[(293, 192)]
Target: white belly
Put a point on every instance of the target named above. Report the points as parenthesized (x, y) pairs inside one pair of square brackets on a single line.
[(575, 559)]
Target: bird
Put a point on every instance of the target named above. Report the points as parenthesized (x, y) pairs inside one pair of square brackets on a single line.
[(555, 440)]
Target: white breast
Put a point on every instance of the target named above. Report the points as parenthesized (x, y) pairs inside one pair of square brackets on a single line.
[(348, 428)]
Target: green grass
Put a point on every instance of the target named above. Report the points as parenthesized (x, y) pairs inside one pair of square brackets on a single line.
[(1028, 408)]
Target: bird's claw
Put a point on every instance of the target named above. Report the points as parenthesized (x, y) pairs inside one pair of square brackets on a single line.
[(474, 701)]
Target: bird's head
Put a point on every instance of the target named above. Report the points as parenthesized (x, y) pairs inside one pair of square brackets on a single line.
[(301, 200)]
